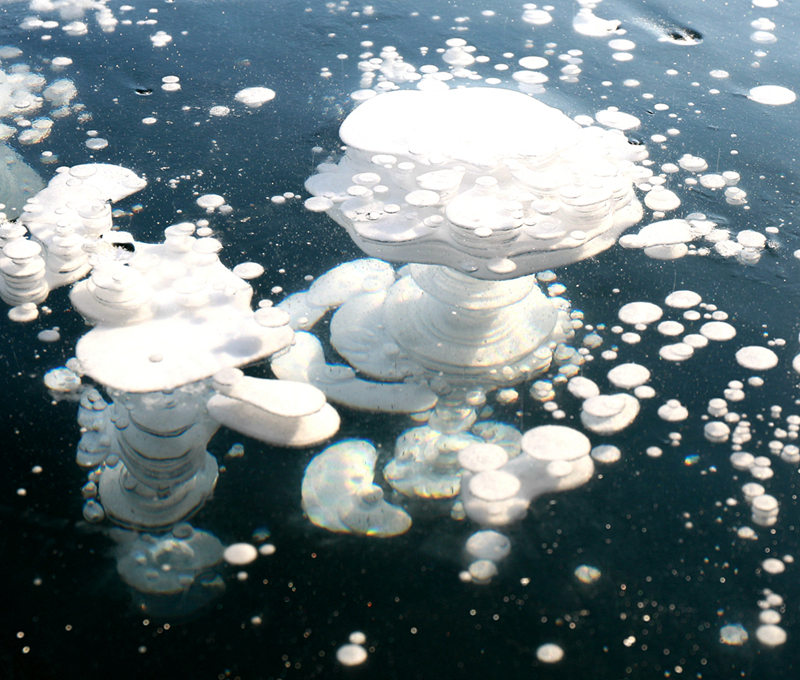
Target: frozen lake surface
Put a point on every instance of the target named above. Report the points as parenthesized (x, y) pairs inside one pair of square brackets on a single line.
[(672, 556)]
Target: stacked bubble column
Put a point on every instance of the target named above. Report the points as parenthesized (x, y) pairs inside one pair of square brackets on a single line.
[(163, 472)]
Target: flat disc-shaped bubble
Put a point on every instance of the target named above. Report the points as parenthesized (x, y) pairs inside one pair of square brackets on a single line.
[(248, 270), (660, 233), (617, 119), (480, 457), (718, 330), (582, 387), (240, 553), (555, 442), (488, 545), (628, 376), (756, 358), (318, 204), (482, 571), (716, 431), (695, 340), (679, 351), (670, 328), (62, 380), (533, 62), (494, 485), (604, 405), (751, 239), (606, 453), (772, 565), (281, 397), (661, 199), (254, 96), (422, 198), (733, 634), (673, 411), (609, 413), (683, 299), (351, 654), (771, 635), (639, 312), (439, 122), (773, 95), (550, 653)]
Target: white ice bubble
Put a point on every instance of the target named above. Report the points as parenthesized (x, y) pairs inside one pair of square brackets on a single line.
[(719, 331), (351, 654), (771, 635), (536, 16), (609, 413), (673, 411), (606, 453), (661, 199), (679, 351), (670, 328), (254, 96), (318, 204), (494, 485), (586, 573), (160, 39), (48, 335), (772, 565), (357, 638), (692, 163), (210, 201), (24, 313), (716, 431), (248, 270), (695, 340), (644, 392), (488, 545), (756, 358), (628, 376), (480, 457), (96, 143), (733, 634), (773, 95), (582, 387), (240, 553), (742, 460), (555, 442), (639, 312), (550, 652), (621, 44), (533, 62), (619, 120), (482, 571), (62, 380)]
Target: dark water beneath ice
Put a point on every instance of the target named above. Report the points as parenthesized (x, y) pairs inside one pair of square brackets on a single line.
[(665, 588)]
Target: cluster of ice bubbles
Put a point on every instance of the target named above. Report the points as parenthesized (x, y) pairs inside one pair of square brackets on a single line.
[(171, 326), (24, 94), (424, 197), (464, 316)]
